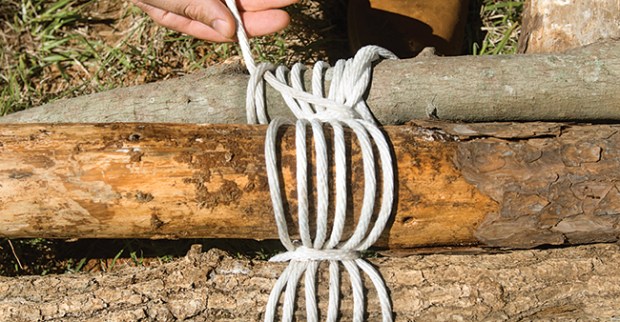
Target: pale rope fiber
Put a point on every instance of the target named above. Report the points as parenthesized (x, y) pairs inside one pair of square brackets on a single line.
[(344, 106)]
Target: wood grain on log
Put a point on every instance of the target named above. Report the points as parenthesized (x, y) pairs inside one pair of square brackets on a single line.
[(556, 26), (578, 86), (576, 283), (502, 185)]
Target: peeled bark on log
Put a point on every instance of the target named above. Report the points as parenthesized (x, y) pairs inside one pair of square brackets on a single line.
[(556, 26), (577, 283), (581, 85), (502, 185)]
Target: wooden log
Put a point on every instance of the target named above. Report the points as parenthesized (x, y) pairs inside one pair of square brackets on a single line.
[(574, 283), (556, 26), (581, 85), (504, 185)]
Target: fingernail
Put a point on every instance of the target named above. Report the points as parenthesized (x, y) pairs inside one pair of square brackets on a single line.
[(223, 28)]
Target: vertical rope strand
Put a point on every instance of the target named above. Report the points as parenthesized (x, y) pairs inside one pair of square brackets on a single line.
[(322, 183), (340, 160), (334, 292), (312, 311), (302, 183)]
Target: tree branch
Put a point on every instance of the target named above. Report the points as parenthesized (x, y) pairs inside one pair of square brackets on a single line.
[(581, 85)]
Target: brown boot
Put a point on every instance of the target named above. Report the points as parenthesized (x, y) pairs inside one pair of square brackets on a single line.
[(407, 26)]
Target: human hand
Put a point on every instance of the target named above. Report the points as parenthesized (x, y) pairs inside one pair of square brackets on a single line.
[(211, 20)]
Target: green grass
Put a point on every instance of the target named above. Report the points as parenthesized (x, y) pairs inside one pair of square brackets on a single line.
[(37, 24), (501, 26), (59, 49)]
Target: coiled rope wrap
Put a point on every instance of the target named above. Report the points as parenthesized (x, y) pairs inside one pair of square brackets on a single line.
[(343, 107)]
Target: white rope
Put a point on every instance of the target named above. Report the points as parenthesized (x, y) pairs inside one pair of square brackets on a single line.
[(344, 106)]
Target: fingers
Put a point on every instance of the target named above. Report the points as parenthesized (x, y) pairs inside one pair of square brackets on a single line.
[(260, 5), (256, 24), (183, 24), (212, 13), (266, 22), (210, 19)]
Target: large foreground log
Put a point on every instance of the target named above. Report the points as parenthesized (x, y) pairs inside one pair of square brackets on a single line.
[(577, 284), (503, 185), (579, 85)]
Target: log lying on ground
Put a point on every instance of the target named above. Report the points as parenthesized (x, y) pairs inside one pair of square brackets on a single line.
[(577, 283), (579, 85), (513, 185)]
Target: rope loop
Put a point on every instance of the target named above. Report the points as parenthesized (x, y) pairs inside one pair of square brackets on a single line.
[(343, 106)]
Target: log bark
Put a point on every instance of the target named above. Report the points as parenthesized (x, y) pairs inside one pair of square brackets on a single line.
[(556, 26), (581, 85), (577, 283), (514, 185)]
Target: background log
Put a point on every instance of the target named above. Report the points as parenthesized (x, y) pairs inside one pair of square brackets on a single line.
[(580, 85), (556, 26), (502, 185), (577, 283)]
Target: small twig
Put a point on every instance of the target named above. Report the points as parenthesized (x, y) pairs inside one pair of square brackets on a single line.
[(15, 254)]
